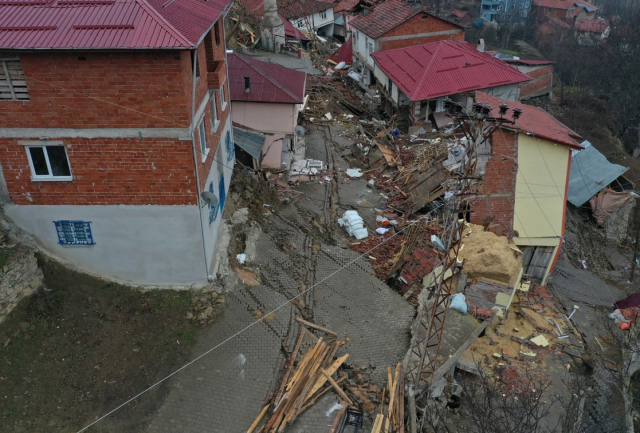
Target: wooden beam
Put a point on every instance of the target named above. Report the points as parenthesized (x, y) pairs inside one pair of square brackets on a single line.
[(258, 419), (330, 370), (335, 386), (318, 327), (319, 395)]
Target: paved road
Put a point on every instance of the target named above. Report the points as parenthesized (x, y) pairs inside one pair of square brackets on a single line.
[(224, 390)]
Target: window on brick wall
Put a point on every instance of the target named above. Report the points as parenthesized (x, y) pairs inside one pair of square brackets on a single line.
[(216, 32), (197, 64), (215, 120), (49, 162), (13, 86), (202, 136), (223, 99)]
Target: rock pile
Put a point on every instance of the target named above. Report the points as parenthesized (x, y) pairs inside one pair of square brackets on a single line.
[(19, 277), (206, 305)]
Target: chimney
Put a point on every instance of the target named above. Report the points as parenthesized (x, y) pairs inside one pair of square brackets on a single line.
[(247, 84), (271, 18), (481, 45)]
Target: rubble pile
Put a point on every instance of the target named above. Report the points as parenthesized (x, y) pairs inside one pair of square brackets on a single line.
[(206, 305), (532, 330), (307, 377)]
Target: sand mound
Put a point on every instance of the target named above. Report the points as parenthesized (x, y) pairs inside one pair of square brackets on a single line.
[(488, 256)]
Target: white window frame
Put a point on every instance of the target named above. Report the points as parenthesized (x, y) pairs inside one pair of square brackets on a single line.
[(323, 15), (202, 137), (215, 119), (300, 24), (223, 99), (50, 177), (439, 105)]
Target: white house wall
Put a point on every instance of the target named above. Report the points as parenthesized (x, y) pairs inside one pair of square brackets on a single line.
[(508, 92), (149, 245), (221, 166)]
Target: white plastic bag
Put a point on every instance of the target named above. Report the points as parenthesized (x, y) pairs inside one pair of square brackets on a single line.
[(458, 303)]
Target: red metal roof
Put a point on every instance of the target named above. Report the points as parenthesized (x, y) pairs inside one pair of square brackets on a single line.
[(345, 54), (592, 26), (562, 4), (269, 82), (385, 17), (444, 68), (535, 121), (106, 24)]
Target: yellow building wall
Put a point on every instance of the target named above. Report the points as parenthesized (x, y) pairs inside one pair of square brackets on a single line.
[(540, 191)]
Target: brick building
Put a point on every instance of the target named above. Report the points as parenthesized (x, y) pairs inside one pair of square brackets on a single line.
[(541, 73), (396, 24), (525, 182), (113, 120)]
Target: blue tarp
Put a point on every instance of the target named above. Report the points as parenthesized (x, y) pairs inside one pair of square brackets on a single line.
[(591, 172), (250, 142)]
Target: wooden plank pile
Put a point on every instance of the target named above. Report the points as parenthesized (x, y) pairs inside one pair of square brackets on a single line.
[(304, 383), (390, 418)]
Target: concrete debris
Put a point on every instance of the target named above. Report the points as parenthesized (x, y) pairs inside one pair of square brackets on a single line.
[(354, 172)]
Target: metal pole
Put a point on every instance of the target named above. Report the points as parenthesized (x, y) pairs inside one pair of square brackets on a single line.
[(635, 252)]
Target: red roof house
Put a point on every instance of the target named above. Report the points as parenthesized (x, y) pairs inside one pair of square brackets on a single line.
[(256, 7), (536, 122), (396, 24), (446, 68), (267, 98), (525, 181), (111, 115)]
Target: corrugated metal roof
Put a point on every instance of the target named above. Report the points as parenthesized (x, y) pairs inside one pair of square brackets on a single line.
[(535, 121), (444, 68), (591, 172), (106, 24), (250, 142), (269, 82), (389, 15)]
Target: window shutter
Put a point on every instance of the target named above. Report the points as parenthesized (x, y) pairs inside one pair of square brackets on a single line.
[(12, 81)]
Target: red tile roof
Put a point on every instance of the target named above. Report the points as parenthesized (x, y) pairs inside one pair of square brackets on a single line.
[(269, 82), (387, 16), (536, 122), (292, 9), (345, 5), (444, 68), (592, 26), (106, 24), (562, 4), (459, 14)]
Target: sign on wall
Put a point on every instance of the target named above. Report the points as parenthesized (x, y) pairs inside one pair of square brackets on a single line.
[(74, 232)]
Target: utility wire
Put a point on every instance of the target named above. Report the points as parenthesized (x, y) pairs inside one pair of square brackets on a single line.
[(259, 320)]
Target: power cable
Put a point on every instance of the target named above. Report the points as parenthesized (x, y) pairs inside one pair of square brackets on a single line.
[(258, 321)]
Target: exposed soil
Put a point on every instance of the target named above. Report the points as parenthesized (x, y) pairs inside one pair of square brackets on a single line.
[(82, 346)]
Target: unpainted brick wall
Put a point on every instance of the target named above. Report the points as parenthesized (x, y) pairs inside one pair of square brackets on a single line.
[(418, 25), (495, 202), (214, 139), (541, 83), (105, 90), (107, 172)]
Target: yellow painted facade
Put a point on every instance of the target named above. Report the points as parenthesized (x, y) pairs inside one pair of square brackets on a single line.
[(540, 191)]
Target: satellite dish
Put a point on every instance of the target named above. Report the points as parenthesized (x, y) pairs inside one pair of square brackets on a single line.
[(209, 198), (300, 131)]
